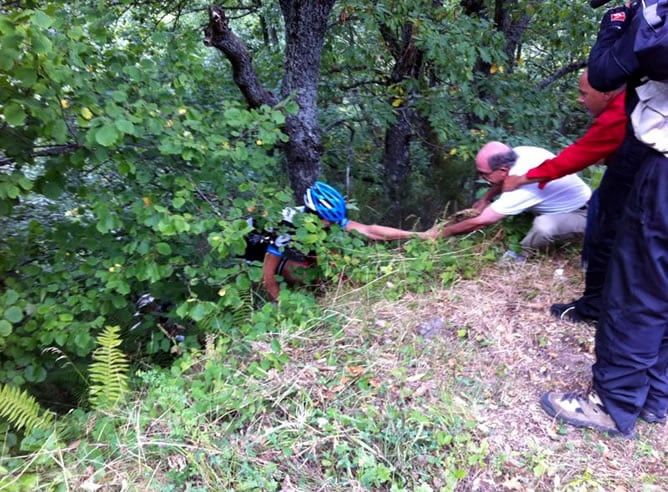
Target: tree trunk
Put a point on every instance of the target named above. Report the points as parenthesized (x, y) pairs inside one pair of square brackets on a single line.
[(305, 28), (512, 27), (396, 157)]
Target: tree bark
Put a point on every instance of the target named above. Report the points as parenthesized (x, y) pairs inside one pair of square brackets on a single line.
[(219, 35), (398, 136), (305, 29), (512, 27), (570, 68), (396, 157)]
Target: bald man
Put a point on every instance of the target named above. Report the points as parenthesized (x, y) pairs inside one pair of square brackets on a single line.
[(560, 209)]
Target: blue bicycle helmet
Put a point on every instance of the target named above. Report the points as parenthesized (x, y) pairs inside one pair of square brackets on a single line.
[(327, 202)]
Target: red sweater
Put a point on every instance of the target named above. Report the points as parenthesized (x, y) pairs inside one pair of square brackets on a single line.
[(600, 142)]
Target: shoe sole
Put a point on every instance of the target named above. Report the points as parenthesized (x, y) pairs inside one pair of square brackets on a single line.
[(552, 412), (567, 315)]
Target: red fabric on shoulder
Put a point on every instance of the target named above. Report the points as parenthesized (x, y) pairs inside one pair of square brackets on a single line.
[(599, 143)]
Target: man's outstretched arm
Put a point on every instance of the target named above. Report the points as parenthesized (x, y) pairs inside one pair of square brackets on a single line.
[(600, 142), (487, 217)]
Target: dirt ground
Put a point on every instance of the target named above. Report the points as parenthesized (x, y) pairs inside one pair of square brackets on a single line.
[(494, 344)]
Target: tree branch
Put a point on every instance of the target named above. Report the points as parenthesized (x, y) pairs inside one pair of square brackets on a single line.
[(573, 67), (360, 83), (55, 150), (219, 35), (42, 152)]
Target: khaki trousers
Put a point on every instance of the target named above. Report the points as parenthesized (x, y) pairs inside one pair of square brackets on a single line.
[(551, 228)]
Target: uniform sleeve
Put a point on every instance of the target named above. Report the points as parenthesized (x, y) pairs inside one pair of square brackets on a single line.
[(612, 61), (600, 142)]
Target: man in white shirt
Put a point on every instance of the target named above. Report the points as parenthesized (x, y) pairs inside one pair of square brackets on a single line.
[(560, 209)]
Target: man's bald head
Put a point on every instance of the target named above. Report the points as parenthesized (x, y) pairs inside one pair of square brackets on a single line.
[(494, 155)]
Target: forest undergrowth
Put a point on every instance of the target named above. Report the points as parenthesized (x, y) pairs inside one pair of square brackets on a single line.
[(422, 391)]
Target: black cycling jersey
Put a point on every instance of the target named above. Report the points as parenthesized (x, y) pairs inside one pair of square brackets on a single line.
[(259, 242)]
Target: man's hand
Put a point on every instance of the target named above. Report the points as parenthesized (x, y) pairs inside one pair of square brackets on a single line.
[(513, 182), (433, 233), (442, 229)]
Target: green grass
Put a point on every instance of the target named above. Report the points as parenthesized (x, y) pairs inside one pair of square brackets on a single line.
[(345, 395)]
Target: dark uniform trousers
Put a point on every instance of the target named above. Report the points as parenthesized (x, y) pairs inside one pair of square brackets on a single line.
[(631, 369), (631, 366), (604, 220)]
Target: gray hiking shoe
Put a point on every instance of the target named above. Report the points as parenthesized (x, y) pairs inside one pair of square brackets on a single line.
[(579, 410)]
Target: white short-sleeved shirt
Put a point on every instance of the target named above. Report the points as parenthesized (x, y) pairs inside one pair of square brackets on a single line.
[(559, 196)]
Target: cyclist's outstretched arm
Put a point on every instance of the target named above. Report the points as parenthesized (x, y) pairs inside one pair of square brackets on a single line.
[(381, 233)]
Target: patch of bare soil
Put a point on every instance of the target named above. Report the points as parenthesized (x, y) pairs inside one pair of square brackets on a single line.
[(492, 342)]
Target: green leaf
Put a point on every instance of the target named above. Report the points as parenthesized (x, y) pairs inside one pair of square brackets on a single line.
[(14, 314), (52, 189), (14, 114), (278, 117), (6, 206), (107, 135), (41, 43), (105, 220), (59, 131), (40, 19), (164, 249), (169, 147), (11, 296), (125, 127), (199, 312), (27, 76), (7, 59), (24, 183), (119, 96), (60, 338), (6, 26), (11, 191), (5, 328), (34, 374), (75, 33), (243, 282)]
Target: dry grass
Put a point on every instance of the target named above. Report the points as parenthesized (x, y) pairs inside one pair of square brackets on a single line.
[(492, 343), (481, 351)]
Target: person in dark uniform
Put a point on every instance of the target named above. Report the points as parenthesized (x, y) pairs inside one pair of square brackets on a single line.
[(630, 376)]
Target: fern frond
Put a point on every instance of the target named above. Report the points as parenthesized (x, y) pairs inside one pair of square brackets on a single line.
[(242, 313), (63, 358), (108, 373), (22, 410)]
